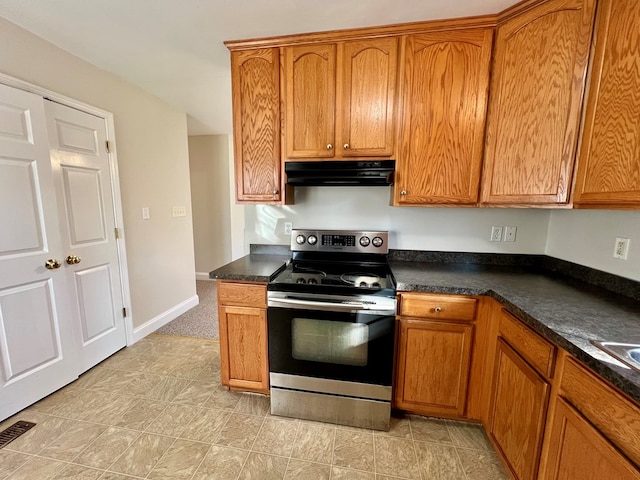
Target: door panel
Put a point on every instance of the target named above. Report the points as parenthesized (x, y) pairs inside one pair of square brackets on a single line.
[(19, 189), (36, 341), (82, 177), (83, 205), (96, 301), (42, 333)]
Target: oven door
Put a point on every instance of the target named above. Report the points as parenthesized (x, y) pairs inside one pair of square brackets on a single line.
[(348, 340)]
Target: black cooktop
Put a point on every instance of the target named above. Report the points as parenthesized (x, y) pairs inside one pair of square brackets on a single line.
[(337, 275)]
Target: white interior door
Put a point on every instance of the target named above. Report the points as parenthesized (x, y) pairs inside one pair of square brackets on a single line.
[(83, 184), (36, 340)]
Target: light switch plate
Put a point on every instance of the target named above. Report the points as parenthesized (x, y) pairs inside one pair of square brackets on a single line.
[(179, 212), (146, 215), (510, 234)]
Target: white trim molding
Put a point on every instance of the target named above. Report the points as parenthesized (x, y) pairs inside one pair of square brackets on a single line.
[(164, 318)]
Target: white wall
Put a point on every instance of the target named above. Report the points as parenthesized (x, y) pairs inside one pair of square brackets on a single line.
[(414, 228), (210, 201), (151, 141), (587, 237)]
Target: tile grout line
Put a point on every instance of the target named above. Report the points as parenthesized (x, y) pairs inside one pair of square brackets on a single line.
[(292, 446), (252, 443)]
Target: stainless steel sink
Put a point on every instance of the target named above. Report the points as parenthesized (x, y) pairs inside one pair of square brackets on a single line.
[(627, 353)]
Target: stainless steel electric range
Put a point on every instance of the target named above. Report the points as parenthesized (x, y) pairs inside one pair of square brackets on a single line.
[(331, 316)]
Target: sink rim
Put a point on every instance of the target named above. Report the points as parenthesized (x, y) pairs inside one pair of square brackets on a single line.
[(621, 351)]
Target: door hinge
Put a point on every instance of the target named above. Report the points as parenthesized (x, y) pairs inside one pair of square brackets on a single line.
[(108, 145), (116, 232), (124, 312)]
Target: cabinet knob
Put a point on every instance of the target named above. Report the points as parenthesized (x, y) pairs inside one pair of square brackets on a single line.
[(275, 191), (437, 309), (346, 146), (403, 192), (329, 146)]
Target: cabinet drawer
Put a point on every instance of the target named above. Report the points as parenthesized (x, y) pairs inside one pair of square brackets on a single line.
[(242, 294), (533, 348), (443, 307), (613, 414)]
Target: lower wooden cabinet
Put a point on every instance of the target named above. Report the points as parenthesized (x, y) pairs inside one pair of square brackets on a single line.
[(243, 336), (519, 412), (434, 339), (578, 450)]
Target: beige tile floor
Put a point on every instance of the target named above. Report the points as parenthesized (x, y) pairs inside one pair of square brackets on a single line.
[(156, 410)]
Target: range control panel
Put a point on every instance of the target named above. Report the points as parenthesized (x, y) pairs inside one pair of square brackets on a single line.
[(339, 241)]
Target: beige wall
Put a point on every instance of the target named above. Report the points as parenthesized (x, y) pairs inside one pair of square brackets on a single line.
[(151, 141), (210, 200), (587, 237)]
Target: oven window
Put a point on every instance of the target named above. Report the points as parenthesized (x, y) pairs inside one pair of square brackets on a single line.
[(344, 343)]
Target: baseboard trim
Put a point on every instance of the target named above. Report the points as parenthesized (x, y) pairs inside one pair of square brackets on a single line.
[(203, 276), (164, 318)]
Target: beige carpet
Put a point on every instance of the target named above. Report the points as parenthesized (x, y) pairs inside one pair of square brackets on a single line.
[(202, 320)]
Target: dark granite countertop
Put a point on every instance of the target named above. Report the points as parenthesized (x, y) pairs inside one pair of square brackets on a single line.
[(544, 293), (566, 311), (255, 267)]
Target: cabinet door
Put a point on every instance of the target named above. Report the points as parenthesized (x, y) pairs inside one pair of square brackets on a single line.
[(537, 86), (366, 97), (433, 367), (609, 165), (243, 348), (310, 100), (577, 450), (255, 78), (445, 85), (519, 412)]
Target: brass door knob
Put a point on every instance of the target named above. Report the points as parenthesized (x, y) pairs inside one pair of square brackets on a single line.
[(52, 264), (73, 260), (403, 192), (329, 146), (346, 146), (275, 191)]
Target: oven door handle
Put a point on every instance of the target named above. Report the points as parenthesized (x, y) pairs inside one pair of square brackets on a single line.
[(314, 305)]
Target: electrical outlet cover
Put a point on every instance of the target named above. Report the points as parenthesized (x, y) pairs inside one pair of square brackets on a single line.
[(496, 234), (621, 248)]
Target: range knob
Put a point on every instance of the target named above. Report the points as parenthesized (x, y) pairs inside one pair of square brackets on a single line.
[(312, 281), (364, 241), (377, 241), (301, 280), (363, 285), (300, 239), (312, 240)]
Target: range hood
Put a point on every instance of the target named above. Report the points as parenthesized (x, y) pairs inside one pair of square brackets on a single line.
[(340, 173)]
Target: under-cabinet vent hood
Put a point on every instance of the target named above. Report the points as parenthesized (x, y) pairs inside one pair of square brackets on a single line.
[(340, 173)]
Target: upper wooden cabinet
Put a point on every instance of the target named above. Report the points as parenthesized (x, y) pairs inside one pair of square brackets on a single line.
[(310, 100), (340, 99), (444, 94), (255, 79), (537, 86), (609, 161)]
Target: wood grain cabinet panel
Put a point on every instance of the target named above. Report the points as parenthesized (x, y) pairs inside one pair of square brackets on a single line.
[(255, 78), (534, 349), (310, 100), (340, 99), (538, 79), (367, 97), (577, 450), (519, 412), (433, 367), (244, 362), (438, 307), (609, 162), (444, 93)]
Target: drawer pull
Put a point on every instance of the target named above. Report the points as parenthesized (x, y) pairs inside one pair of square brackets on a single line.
[(437, 309)]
